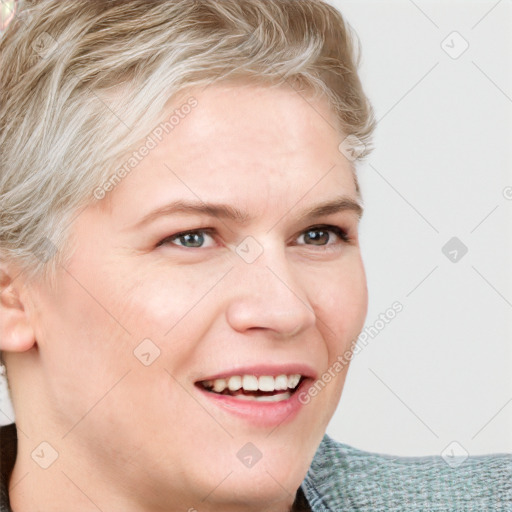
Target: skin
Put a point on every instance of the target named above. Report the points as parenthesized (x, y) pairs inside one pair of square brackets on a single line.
[(136, 438)]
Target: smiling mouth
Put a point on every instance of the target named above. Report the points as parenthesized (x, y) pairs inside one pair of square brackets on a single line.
[(265, 388)]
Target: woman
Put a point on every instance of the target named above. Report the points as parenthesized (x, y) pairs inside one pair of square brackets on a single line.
[(180, 263)]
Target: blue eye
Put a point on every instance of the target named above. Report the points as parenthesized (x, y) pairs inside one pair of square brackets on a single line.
[(187, 239)]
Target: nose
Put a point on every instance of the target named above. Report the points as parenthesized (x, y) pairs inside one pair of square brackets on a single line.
[(267, 295)]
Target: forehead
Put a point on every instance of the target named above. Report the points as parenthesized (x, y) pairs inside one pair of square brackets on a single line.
[(242, 137), (249, 116)]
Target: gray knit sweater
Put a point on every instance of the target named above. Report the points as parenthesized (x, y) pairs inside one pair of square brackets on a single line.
[(344, 479)]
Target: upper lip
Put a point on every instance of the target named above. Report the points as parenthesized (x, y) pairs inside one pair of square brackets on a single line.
[(265, 369)]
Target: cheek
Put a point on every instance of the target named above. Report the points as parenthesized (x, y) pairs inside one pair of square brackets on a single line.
[(341, 304), (172, 307), (88, 333), (162, 301), (82, 351)]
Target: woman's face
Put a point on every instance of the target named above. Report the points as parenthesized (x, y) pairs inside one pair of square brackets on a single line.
[(140, 316)]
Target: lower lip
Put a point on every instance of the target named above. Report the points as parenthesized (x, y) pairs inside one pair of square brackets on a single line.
[(262, 414)]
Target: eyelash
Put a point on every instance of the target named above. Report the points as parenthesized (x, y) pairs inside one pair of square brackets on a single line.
[(340, 232)]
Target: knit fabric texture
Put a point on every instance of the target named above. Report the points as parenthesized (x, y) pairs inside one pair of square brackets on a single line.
[(344, 479)]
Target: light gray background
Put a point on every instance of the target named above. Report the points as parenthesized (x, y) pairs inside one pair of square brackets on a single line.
[(441, 370)]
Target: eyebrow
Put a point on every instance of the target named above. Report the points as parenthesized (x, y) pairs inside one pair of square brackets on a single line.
[(224, 211)]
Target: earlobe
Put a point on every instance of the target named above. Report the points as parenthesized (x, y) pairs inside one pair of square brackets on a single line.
[(16, 332)]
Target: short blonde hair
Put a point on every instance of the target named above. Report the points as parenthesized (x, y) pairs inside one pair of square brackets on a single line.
[(63, 131)]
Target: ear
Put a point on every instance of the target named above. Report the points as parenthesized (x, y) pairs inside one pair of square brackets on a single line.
[(16, 332)]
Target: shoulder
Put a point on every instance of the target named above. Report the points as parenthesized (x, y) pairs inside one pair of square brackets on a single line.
[(342, 477)]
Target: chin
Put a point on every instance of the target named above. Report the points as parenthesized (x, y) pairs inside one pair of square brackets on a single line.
[(265, 484), (259, 492)]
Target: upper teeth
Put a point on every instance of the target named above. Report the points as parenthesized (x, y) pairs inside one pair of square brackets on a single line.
[(253, 383)]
